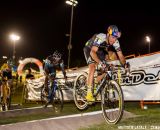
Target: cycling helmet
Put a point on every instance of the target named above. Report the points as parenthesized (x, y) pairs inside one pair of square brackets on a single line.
[(113, 30), (4, 66), (56, 56)]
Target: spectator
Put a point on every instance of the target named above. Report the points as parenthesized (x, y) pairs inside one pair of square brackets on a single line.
[(29, 75)]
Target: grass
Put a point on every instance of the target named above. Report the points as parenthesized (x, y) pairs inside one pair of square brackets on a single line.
[(69, 108), (148, 118)]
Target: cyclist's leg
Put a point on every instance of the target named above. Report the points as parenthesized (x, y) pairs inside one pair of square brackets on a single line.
[(46, 72), (4, 94), (52, 88), (46, 85), (90, 79), (103, 56), (99, 78), (8, 91), (9, 86), (91, 65), (1, 90), (91, 75)]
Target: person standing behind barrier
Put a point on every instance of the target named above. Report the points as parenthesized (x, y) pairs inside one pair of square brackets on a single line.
[(29, 75)]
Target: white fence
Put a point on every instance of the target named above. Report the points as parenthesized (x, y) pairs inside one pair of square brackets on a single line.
[(143, 83)]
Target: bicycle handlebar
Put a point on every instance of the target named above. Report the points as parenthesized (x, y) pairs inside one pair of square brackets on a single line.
[(112, 67)]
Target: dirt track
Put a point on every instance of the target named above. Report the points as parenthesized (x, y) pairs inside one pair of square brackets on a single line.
[(72, 122)]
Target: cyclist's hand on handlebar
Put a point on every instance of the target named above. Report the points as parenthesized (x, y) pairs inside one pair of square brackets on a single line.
[(127, 68), (127, 65), (101, 65)]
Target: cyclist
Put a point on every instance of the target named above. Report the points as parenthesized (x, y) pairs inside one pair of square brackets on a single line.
[(97, 49), (6, 74), (6, 71), (52, 63)]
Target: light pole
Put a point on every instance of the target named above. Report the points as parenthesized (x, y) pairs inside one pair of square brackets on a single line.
[(148, 40), (72, 3), (14, 38)]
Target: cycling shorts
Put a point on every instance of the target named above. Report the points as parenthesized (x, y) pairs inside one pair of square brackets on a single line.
[(100, 53)]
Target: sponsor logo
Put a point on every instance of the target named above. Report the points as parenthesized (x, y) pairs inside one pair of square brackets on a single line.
[(137, 77)]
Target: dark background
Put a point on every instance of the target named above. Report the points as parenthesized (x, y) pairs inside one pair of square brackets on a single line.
[(43, 25)]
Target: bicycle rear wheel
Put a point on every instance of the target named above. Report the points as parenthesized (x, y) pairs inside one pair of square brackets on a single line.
[(112, 102), (80, 91), (58, 100)]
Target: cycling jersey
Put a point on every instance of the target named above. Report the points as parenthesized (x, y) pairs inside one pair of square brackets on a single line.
[(7, 73), (99, 40), (50, 68)]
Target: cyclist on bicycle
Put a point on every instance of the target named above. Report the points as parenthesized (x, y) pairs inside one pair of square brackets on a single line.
[(6, 71), (52, 63), (6, 84), (97, 49)]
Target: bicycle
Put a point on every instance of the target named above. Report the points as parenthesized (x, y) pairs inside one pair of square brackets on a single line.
[(5, 98), (111, 95), (54, 96)]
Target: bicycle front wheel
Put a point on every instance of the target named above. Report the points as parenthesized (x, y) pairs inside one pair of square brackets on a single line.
[(112, 102)]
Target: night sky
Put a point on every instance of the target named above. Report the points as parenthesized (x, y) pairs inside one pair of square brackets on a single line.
[(43, 26)]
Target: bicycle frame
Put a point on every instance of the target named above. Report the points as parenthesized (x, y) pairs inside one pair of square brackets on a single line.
[(103, 82), (54, 85), (55, 95), (110, 92)]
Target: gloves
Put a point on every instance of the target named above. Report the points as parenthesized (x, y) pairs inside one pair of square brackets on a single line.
[(127, 68), (101, 65), (127, 65)]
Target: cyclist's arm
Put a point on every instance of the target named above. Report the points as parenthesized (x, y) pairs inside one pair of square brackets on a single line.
[(46, 70), (121, 57), (93, 54), (62, 68)]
